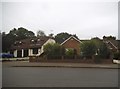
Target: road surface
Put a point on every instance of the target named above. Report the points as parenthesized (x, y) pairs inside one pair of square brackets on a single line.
[(59, 77)]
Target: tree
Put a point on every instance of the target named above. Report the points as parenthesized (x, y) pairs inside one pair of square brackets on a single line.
[(95, 47), (69, 53), (15, 35), (102, 49), (109, 38), (53, 50), (51, 35), (59, 38), (40, 33), (88, 49), (117, 55), (21, 33), (7, 40)]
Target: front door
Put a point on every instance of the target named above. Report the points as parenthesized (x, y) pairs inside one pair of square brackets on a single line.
[(19, 53), (26, 53)]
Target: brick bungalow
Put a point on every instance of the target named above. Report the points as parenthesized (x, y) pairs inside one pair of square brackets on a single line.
[(72, 43), (30, 47)]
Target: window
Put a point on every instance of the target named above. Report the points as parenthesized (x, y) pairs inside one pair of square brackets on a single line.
[(33, 41), (19, 53), (26, 53), (18, 43), (35, 50), (11, 52), (38, 39)]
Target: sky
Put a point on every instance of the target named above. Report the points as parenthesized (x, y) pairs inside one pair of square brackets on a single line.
[(85, 19)]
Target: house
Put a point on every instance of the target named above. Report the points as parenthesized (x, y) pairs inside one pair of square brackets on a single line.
[(72, 43), (113, 45), (30, 47)]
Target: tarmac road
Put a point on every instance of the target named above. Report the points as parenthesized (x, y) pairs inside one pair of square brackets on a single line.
[(59, 77)]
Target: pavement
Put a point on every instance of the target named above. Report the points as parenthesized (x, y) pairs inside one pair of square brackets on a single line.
[(67, 65)]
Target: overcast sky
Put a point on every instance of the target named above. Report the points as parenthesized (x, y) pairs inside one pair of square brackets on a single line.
[(85, 19)]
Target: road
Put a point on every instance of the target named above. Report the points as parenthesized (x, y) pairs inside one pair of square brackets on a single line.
[(59, 77)]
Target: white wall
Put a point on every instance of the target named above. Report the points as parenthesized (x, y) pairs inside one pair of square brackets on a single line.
[(48, 41), (22, 52), (40, 50), (30, 52), (15, 53)]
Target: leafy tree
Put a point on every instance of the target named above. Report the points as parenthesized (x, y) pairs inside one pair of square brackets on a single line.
[(62, 51), (63, 36), (51, 35), (7, 40), (97, 41), (117, 55), (53, 50), (109, 38), (40, 33), (102, 49), (88, 49), (70, 53), (14, 35), (21, 33)]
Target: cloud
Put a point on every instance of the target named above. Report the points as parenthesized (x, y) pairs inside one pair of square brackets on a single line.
[(89, 19)]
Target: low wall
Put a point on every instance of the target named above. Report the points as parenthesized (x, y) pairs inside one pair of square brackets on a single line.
[(37, 59), (15, 59)]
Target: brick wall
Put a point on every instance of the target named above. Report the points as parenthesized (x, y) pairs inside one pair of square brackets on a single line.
[(72, 43)]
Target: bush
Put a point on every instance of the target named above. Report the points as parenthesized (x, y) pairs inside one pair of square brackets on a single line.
[(88, 49), (53, 51), (103, 51), (116, 55), (69, 53), (95, 46)]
